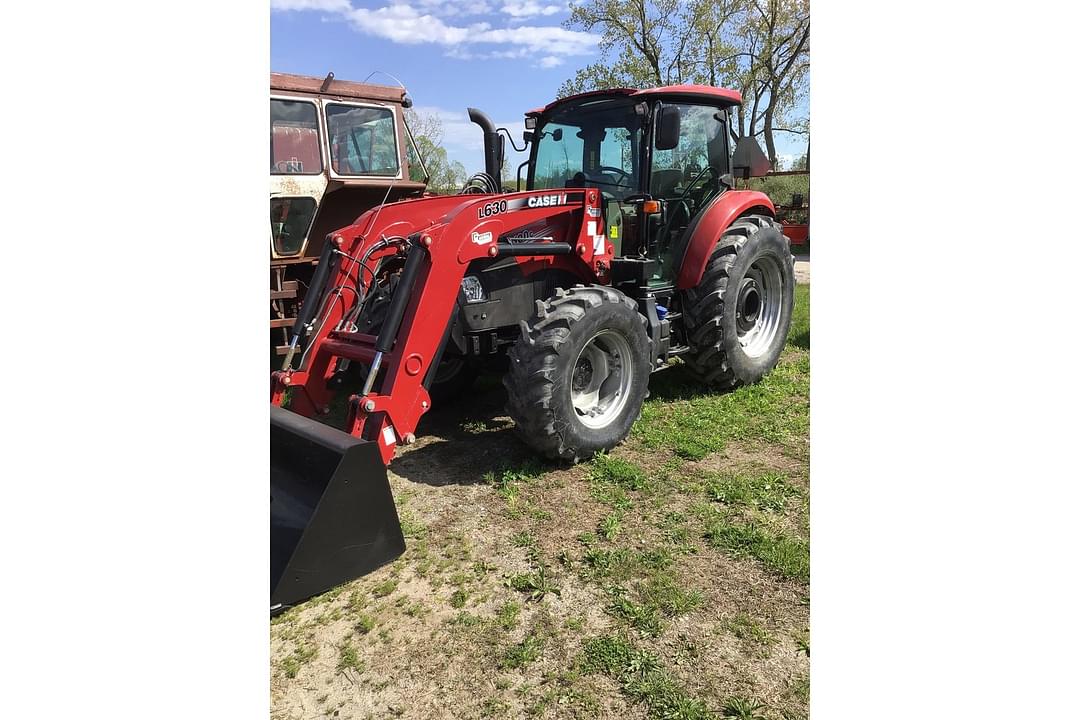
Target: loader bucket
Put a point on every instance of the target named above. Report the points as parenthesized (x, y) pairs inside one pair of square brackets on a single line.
[(332, 516)]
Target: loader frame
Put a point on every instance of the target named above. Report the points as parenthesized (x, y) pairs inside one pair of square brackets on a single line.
[(409, 344)]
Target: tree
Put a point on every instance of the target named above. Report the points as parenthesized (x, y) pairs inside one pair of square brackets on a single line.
[(760, 47), (444, 175)]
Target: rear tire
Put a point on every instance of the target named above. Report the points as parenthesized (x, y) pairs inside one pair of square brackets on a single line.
[(737, 318), (579, 373)]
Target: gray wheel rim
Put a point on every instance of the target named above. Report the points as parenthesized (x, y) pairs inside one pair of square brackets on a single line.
[(600, 383), (758, 306)]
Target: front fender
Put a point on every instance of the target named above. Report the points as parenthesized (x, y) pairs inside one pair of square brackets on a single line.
[(705, 230)]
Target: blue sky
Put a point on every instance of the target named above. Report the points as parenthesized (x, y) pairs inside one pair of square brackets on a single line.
[(502, 56)]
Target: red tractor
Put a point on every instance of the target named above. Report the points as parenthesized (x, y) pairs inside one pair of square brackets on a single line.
[(629, 247)]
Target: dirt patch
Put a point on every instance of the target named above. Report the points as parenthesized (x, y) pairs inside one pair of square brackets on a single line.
[(487, 612)]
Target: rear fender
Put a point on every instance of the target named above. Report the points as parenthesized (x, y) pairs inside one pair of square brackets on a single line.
[(705, 230)]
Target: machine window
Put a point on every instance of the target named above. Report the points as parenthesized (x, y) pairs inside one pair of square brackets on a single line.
[(290, 220), (363, 140), (294, 138)]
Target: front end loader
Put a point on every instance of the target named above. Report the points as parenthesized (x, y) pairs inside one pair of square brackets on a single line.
[(629, 248)]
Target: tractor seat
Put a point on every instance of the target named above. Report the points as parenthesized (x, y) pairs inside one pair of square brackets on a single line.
[(664, 183)]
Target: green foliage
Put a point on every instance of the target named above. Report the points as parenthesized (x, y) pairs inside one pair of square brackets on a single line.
[(695, 422), (522, 653), (746, 628), (457, 600), (444, 176), (507, 615), (739, 708), (291, 664), (620, 564), (349, 658), (789, 557), (609, 526), (536, 584), (769, 491), (612, 470), (507, 482), (659, 597), (385, 588), (364, 624), (761, 49), (642, 678)]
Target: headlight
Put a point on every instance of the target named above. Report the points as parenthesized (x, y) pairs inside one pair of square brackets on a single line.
[(474, 291)]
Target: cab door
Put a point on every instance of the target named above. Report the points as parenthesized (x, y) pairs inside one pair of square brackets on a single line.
[(685, 178)]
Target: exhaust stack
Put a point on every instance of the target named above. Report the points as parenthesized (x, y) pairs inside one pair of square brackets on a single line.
[(493, 149)]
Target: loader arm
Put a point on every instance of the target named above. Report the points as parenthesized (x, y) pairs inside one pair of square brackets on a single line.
[(437, 255)]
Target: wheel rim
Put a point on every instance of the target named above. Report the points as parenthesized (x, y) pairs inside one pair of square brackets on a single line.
[(600, 383), (758, 307)]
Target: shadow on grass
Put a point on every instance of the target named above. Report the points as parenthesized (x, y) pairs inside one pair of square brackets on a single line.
[(800, 338), (466, 439)]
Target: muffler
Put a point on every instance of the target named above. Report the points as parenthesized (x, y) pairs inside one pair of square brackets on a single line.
[(332, 515)]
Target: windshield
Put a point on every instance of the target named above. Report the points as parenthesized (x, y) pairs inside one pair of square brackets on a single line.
[(589, 145), (362, 140)]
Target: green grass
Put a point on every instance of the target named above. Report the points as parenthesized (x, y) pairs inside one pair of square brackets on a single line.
[(799, 334), (693, 421), (536, 584), (507, 482), (385, 588), (523, 653), (364, 624), (292, 663), (787, 556), (507, 615), (616, 471), (769, 491), (642, 678), (740, 708), (746, 628), (349, 658), (649, 603), (610, 526), (620, 564)]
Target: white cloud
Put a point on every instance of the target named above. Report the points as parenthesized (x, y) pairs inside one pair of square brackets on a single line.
[(422, 22), (529, 8), (323, 5)]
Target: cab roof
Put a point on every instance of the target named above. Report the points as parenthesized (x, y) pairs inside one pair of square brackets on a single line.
[(334, 88), (714, 94)]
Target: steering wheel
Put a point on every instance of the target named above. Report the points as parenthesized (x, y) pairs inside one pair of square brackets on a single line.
[(616, 171)]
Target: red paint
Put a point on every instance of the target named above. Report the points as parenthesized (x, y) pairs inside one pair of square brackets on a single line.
[(713, 222), (450, 223), (707, 92), (797, 233)]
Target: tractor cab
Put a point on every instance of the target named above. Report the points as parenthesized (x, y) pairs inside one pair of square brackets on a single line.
[(337, 148), (658, 157)]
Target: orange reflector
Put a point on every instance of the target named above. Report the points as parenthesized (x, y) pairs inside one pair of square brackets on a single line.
[(650, 207)]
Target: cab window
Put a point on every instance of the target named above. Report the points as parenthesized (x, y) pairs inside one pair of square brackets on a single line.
[(702, 146), (363, 140), (294, 138)]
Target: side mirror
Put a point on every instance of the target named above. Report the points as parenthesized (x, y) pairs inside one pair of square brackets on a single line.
[(748, 160), (667, 128), (527, 136)]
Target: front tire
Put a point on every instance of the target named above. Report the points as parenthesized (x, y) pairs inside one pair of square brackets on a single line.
[(579, 373), (738, 317)]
